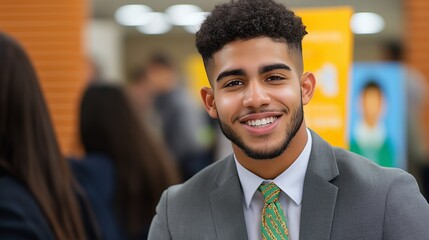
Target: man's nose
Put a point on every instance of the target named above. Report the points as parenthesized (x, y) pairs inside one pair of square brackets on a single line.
[(255, 95)]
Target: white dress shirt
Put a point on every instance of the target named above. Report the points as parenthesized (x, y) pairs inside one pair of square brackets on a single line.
[(291, 183)]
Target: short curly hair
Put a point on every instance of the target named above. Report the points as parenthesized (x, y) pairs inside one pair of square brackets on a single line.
[(248, 19)]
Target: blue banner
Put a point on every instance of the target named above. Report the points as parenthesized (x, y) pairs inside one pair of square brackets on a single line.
[(377, 113)]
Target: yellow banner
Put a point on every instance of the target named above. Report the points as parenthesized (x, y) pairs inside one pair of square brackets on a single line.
[(327, 52), (196, 75)]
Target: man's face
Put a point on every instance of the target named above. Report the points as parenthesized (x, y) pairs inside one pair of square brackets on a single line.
[(256, 95)]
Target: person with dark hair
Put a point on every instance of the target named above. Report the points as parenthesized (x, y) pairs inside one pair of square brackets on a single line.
[(37, 192), (283, 181), (417, 94), (141, 95), (182, 123), (124, 170), (369, 136)]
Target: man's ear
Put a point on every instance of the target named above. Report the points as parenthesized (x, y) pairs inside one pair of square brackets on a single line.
[(207, 95), (308, 85)]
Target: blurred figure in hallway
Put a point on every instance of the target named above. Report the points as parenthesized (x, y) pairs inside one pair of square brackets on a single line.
[(141, 94), (184, 125), (124, 170), (417, 91), (37, 193)]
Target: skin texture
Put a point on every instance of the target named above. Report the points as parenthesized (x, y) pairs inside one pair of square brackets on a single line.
[(255, 79)]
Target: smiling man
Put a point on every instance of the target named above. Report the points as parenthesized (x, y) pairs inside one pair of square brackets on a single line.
[(283, 181)]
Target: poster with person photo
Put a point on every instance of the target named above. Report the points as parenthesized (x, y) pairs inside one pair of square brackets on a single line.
[(377, 117)]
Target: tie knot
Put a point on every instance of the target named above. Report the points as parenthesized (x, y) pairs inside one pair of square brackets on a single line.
[(270, 192)]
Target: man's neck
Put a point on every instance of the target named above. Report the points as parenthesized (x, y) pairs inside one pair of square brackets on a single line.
[(271, 168)]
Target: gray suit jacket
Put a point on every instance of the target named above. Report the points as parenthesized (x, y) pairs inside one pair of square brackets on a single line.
[(345, 197)]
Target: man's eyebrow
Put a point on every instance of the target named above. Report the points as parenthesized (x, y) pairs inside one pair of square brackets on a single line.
[(234, 72), (271, 67)]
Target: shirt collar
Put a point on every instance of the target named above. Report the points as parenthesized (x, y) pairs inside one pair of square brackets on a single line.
[(291, 181)]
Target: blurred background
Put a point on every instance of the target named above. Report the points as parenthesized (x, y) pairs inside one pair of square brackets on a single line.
[(131, 45), (73, 43)]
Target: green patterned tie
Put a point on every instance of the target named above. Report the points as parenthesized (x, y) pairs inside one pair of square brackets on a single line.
[(273, 219)]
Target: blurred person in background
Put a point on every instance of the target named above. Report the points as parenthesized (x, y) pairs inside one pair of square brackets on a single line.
[(184, 125), (93, 75), (417, 91), (141, 95), (124, 170), (38, 196)]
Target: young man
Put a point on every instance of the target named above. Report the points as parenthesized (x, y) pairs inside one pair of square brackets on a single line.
[(283, 181)]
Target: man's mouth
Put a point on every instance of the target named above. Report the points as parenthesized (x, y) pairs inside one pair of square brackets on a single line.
[(263, 122)]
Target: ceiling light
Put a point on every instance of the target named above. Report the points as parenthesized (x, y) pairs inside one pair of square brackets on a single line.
[(132, 15), (158, 24), (181, 14), (198, 19), (366, 23)]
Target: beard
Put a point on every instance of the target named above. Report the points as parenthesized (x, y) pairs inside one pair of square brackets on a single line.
[(268, 153)]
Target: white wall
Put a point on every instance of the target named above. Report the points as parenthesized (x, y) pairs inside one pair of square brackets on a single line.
[(104, 45)]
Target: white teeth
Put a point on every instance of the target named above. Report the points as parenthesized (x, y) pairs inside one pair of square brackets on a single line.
[(261, 122)]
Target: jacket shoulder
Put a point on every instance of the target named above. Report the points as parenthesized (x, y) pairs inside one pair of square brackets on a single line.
[(357, 169), (20, 214), (14, 194), (385, 194), (187, 205), (202, 183)]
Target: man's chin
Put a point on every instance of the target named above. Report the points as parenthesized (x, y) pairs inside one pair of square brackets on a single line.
[(263, 154)]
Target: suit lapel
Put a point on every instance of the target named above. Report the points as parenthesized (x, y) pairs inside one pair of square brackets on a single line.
[(319, 195), (226, 204)]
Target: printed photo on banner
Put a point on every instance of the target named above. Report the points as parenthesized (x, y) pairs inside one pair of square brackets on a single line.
[(377, 113)]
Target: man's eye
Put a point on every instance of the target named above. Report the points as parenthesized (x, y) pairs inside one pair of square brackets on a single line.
[(275, 78), (233, 83)]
